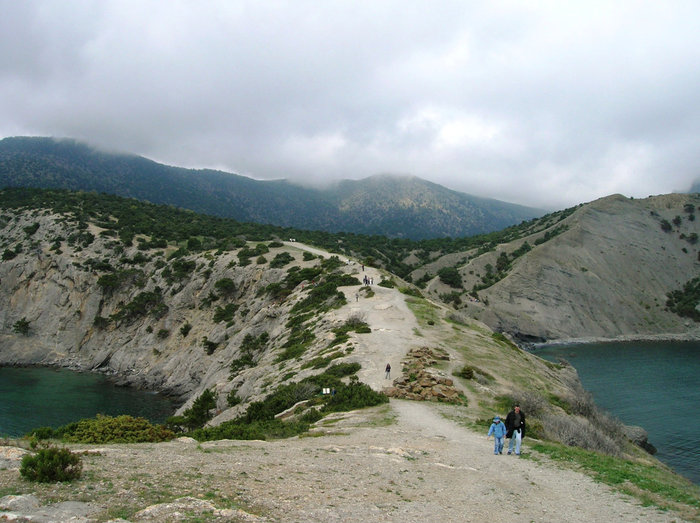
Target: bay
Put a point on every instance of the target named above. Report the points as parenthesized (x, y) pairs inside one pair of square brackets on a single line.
[(46, 397), (655, 385)]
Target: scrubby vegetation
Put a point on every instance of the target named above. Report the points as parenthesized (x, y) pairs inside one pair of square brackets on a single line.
[(685, 301), (106, 429), (260, 419), (51, 464)]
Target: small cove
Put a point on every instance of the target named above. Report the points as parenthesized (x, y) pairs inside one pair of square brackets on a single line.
[(32, 397), (653, 384)]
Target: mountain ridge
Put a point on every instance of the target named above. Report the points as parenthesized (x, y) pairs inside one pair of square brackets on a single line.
[(368, 206)]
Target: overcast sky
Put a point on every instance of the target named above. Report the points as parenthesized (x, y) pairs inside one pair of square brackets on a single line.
[(547, 104)]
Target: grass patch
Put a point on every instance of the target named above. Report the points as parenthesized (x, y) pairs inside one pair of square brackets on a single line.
[(423, 310), (651, 484)]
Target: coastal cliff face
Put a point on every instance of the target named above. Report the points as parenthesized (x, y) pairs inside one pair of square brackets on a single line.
[(149, 325), (606, 274)]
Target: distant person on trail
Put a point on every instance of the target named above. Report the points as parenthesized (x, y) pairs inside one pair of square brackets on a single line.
[(515, 425), (498, 430), (388, 371)]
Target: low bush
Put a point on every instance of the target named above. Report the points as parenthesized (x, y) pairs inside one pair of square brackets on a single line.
[(42, 433), (343, 369), (51, 464), (120, 429), (232, 398), (354, 396), (282, 259), (576, 431), (225, 313)]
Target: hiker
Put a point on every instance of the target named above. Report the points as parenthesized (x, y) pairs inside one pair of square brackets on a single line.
[(498, 430), (515, 425), (388, 371)]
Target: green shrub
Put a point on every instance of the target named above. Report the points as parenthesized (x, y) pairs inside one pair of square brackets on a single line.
[(209, 346), (354, 396), (120, 429), (185, 329), (343, 369), (21, 326), (42, 433), (281, 260), (450, 276), (31, 229), (225, 286), (51, 464), (467, 372), (233, 399), (226, 313)]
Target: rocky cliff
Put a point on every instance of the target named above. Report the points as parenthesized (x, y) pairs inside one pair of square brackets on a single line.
[(150, 320)]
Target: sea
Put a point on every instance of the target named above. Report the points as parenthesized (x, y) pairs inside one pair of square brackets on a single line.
[(655, 385), (32, 397)]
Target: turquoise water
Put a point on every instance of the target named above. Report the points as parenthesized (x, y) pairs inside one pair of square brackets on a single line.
[(655, 385), (40, 397)]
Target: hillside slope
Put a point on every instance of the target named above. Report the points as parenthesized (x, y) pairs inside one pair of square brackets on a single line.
[(226, 319), (247, 317), (394, 206), (605, 272)]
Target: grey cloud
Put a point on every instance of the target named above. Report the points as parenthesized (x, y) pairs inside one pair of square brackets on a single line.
[(546, 104)]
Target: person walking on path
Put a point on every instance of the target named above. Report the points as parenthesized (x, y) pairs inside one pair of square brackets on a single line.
[(498, 430), (515, 426), (387, 370)]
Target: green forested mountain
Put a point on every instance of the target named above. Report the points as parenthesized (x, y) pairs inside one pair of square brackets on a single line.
[(393, 206)]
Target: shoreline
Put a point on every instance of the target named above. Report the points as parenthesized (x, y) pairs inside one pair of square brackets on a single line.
[(675, 337)]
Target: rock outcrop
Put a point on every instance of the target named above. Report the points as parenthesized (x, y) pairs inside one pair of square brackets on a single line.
[(420, 381)]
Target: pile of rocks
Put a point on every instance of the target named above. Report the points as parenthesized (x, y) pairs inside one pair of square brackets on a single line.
[(421, 382)]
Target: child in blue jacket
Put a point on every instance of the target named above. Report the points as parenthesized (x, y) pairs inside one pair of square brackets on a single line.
[(498, 430)]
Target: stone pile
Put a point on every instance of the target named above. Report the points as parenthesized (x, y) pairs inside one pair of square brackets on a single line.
[(421, 382)]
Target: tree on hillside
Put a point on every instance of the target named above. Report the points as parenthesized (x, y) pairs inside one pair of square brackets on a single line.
[(450, 276)]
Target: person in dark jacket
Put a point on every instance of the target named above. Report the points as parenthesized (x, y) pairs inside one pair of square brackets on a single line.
[(515, 427)]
